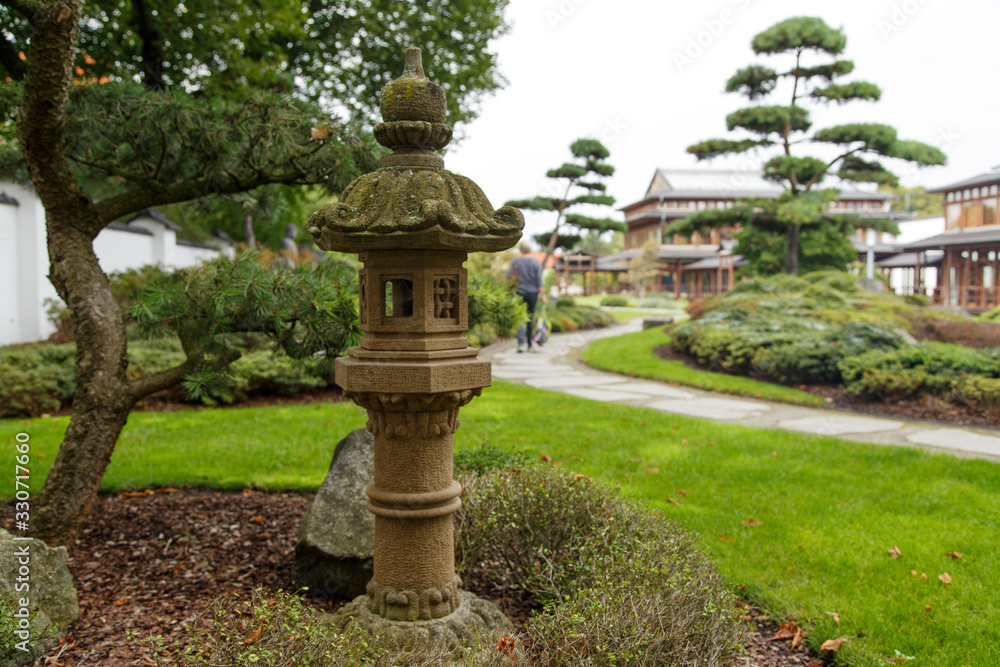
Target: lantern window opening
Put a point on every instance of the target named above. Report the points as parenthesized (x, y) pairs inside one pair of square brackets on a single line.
[(398, 301)]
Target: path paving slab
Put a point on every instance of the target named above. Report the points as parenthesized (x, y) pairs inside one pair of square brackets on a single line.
[(606, 395), (573, 381), (721, 409), (959, 439), (652, 389), (839, 425)]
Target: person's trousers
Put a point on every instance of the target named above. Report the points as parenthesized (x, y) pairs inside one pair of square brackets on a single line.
[(526, 332)]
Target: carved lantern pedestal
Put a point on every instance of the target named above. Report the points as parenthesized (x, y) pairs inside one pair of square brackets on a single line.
[(413, 224)]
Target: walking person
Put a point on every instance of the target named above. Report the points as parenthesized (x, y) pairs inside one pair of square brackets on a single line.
[(526, 273)]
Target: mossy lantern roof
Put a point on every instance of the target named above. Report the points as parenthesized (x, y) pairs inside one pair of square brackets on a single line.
[(412, 202)]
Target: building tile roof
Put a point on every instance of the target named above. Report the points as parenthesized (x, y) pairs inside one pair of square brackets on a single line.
[(155, 215), (992, 176), (7, 199), (908, 259), (958, 237)]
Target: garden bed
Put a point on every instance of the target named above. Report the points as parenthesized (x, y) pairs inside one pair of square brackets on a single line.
[(926, 408), (151, 560)]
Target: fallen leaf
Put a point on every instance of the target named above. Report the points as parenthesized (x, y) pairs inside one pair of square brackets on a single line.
[(119, 603), (797, 639), (913, 573), (786, 631), (557, 463), (546, 458), (945, 578), (254, 636), (580, 476), (677, 426), (258, 519), (954, 554), (774, 453), (923, 575), (684, 441), (895, 553), (682, 492), (321, 132), (247, 492), (751, 522), (673, 502), (836, 619), (833, 644), (652, 471), (725, 538), (928, 608)]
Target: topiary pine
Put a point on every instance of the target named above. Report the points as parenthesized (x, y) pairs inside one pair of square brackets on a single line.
[(585, 173), (804, 207)]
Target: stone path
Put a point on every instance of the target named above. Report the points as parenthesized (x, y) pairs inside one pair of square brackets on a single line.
[(556, 367)]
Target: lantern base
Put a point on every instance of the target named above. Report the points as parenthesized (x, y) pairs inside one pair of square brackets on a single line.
[(475, 618)]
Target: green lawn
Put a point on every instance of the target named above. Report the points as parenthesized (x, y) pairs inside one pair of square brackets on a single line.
[(829, 510), (632, 354)]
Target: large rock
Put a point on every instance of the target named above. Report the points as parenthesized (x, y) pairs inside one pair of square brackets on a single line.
[(52, 605), (334, 552)]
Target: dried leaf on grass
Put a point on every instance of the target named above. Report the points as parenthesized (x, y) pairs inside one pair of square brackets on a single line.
[(797, 639), (834, 644), (945, 578), (895, 553), (954, 554), (751, 522)]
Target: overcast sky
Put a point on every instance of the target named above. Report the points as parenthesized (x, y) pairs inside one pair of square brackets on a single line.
[(646, 77)]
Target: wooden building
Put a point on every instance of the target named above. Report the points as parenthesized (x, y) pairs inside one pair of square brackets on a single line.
[(703, 264), (968, 251)]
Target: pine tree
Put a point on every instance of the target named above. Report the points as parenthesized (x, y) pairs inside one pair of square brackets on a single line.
[(805, 204), (583, 173), (241, 112)]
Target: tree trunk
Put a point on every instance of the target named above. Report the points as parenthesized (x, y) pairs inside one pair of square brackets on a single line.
[(102, 400), (248, 234), (792, 250)]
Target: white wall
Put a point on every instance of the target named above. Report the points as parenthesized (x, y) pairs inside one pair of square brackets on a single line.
[(24, 261), (121, 251)]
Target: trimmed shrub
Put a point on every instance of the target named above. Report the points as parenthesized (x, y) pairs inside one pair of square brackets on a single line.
[(938, 369), (660, 301), (36, 378), (571, 317), (615, 301), (624, 587)]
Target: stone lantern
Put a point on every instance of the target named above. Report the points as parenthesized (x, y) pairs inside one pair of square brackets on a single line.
[(413, 224)]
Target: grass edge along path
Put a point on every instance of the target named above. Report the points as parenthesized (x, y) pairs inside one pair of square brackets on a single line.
[(633, 354), (802, 524)]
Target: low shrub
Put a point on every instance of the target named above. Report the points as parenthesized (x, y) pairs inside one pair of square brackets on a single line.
[(565, 302), (968, 332), (615, 301), (938, 369), (40, 378), (623, 587), (274, 629), (36, 378), (659, 301), (572, 317)]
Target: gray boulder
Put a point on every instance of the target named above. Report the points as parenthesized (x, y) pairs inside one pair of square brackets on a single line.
[(336, 545), (52, 605)]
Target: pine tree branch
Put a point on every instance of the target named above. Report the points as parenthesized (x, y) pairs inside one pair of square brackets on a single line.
[(151, 384)]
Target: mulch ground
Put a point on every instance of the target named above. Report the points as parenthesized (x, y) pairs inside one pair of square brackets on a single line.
[(924, 409), (150, 560)]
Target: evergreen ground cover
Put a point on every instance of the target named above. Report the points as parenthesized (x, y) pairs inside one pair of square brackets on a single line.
[(801, 524), (822, 329)]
